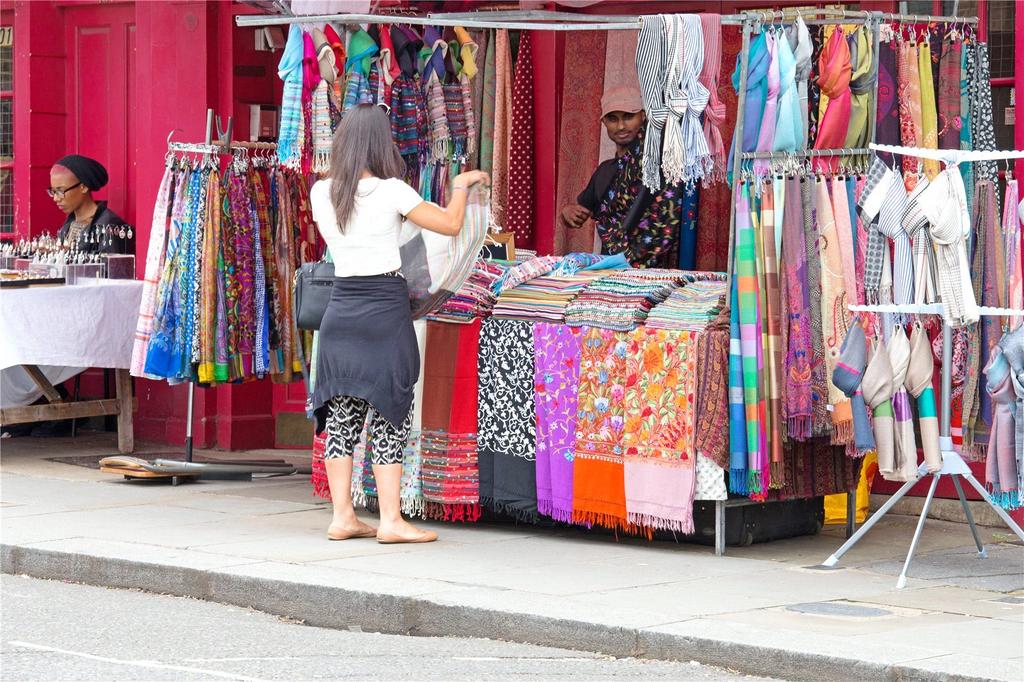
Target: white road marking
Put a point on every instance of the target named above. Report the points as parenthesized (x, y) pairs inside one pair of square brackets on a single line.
[(139, 663)]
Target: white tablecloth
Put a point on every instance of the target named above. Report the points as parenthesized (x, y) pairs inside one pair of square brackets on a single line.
[(70, 326)]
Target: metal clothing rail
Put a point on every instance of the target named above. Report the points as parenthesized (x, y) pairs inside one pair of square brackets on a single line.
[(949, 156), (953, 464), (800, 153)]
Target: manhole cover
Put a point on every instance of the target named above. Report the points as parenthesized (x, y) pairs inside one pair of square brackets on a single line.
[(839, 609), (1009, 600)]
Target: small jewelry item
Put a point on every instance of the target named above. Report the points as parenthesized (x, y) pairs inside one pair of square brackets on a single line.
[(129, 233), (121, 232)]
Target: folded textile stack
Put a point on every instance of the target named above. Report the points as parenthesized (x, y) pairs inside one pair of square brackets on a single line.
[(523, 255), (524, 272), (544, 298), (474, 299), (691, 307), (622, 300)]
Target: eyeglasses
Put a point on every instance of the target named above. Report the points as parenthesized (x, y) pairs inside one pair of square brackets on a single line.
[(385, 107), (56, 192)]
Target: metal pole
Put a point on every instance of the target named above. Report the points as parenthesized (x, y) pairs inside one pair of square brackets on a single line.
[(982, 552), (999, 510), (947, 380), (872, 520), (719, 527), (901, 583), (188, 423), (876, 39)]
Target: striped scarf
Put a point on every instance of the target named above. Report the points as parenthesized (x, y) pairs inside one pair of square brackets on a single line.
[(750, 336), (915, 223), (772, 329), (797, 371), (890, 224), (653, 53), (155, 255), (869, 206), (737, 411), (944, 203), (1014, 255), (714, 114), (322, 131), (209, 289)]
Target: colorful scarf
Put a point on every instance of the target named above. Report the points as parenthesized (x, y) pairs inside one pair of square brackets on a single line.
[(847, 377), (929, 115), (834, 71), (771, 325), (507, 438), (862, 82), (833, 310), (156, 252), (658, 436), (598, 477), (338, 47), (713, 427), (911, 134), (738, 461), (920, 373), (557, 358), (799, 408), (521, 176), (323, 134), (1002, 469), (822, 422), (789, 126), (799, 39), (750, 336), (1013, 250), (759, 61), (906, 444), (887, 124), (289, 70), (949, 94), (714, 114), (468, 50), (766, 137), (208, 279), (502, 128), (878, 387)]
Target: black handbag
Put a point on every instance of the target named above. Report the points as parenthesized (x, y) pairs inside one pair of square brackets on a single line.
[(313, 284)]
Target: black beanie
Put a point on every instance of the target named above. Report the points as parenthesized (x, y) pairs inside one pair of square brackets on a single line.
[(90, 172)]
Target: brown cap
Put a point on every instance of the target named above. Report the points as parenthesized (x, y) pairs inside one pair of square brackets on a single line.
[(622, 98)]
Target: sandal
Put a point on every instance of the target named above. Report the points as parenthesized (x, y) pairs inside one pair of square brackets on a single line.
[(368, 533)]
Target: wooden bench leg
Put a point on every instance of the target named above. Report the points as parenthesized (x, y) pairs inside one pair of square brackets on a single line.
[(125, 428)]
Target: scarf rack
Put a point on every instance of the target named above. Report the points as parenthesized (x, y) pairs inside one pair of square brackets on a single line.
[(953, 464)]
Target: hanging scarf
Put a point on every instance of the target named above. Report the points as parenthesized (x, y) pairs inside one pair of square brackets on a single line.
[(338, 48), (949, 94), (1013, 250), (502, 128), (468, 50), (208, 290), (862, 82), (878, 388), (920, 373), (387, 63), (847, 377), (750, 333), (190, 277), (890, 224), (658, 433), (788, 128), (758, 64), (834, 73), (800, 43), (696, 158), (869, 206), (520, 214), (557, 358), (323, 135), (714, 114), (738, 461), (909, 89), (507, 422), (945, 205), (1012, 347), (845, 225), (435, 49), (797, 371), (1002, 471), (712, 435), (887, 121), (655, 55), (772, 326), (766, 136), (289, 70), (488, 107), (967, 68), (833, 309), (929, 115), (982, 121), (915, 224), (598, 475), (156, 252), (906, 444), (822, 422)]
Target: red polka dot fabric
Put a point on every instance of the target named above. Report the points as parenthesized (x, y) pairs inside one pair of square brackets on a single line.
[(520, 210)]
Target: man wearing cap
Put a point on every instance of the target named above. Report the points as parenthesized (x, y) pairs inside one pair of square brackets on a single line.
[(630, 219), (90, 226)]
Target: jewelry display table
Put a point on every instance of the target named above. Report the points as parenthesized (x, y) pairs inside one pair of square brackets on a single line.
[(70, 327)]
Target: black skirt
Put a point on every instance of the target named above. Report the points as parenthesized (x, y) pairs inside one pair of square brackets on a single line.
[(368, 347)]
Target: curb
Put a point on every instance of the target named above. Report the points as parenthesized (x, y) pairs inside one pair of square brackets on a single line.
[(344, 609)]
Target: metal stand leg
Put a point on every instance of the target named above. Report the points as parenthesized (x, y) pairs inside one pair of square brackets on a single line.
[(188, 422), (999, 510), (851, 513), (982, 552), (872, 520), (719, 528), (917, 533)]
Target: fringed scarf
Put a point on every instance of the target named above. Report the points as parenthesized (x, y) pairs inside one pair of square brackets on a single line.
[(289, 70), (519, 217), (799, 406), (557, 359), (834, 71), (1014, 255), (847, 377), (944, 203), (737, 410), (862, 82), (155, 255), (714, 114), (599, 496), (915, 224), (750, 337), (468, 50), (949, 93), (929, 115), (696, 157), (1002, 467), (713, 428), (982, 126), (833, 309), (822, 421), (655, 55), (507, 421), (911, 134), (273, 294), (322, 132), (435, 49), (502, 127), (771, 325), (658, 436), (920, 374)]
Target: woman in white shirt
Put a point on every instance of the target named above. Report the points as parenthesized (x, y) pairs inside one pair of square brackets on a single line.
[(368, 354)]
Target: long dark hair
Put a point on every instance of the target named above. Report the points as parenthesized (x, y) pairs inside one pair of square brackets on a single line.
[(362, 143)]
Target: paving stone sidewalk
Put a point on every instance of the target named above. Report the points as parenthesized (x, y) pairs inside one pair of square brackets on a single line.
[(762, 609)]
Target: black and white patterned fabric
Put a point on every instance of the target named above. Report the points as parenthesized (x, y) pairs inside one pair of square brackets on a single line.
[(869, 206), (981, 116), (345, 421)]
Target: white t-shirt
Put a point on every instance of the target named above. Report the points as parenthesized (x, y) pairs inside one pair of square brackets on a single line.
[(369, 245)]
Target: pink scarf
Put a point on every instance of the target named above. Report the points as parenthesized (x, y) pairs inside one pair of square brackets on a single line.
[(714, 114), (502, 127), (834, 71)]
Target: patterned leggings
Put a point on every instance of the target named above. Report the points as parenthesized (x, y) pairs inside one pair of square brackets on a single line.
[(345, 419)]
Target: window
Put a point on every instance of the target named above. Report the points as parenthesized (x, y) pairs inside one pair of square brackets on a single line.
[(6, 130)]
